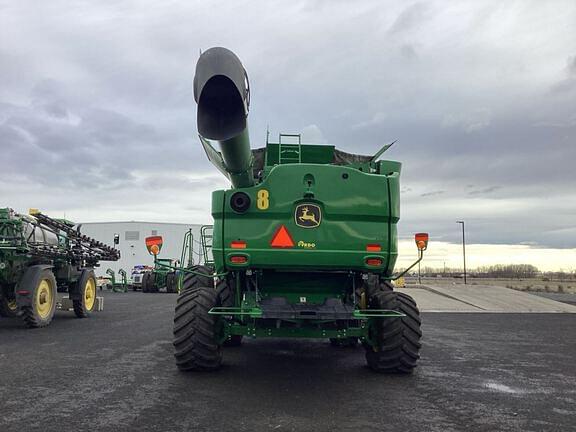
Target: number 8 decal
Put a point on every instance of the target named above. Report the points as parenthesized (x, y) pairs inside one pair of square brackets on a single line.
[(263, 202)]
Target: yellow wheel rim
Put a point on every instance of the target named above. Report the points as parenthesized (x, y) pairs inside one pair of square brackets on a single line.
[(89, 294), (12, 305), (44, 298)]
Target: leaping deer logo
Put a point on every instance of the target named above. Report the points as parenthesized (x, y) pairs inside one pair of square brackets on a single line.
[(308, 216)]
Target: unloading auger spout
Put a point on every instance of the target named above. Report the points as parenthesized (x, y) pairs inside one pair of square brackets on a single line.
[(222, 93)]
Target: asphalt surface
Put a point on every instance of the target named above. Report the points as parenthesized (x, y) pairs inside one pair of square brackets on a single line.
[(115, 372)]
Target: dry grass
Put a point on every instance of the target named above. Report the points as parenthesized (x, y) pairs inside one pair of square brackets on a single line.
[(529, 285)]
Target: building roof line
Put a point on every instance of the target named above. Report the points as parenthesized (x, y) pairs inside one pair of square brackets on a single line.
[(141, 222)]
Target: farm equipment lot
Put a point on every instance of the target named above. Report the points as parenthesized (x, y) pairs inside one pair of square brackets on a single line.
[(115, 371)]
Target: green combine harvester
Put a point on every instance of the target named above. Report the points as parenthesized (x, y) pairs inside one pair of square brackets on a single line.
[(304, 243), (40, 256)]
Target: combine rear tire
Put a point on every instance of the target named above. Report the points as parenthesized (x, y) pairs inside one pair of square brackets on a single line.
[(204, 279), (41, 311), (86, 287), (195, 331), (397, 339)]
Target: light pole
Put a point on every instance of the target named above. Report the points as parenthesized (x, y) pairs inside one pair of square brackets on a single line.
[(463, 249)]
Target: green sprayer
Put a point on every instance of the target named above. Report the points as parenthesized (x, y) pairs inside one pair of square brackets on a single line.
[(40, 256), (304, 243)]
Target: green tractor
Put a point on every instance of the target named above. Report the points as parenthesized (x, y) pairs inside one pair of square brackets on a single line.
[(163, 275), (40, 256), (304, 243)]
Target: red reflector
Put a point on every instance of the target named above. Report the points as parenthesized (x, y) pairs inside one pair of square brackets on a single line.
[(373, 248), (374, 262), (282, 238), (238, 259), (238, 244), (421, 237), (23, 292)]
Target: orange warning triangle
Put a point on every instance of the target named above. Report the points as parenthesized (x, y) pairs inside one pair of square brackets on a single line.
[(282, 238)]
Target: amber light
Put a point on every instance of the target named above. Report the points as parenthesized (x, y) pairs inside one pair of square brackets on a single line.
[(154, 244), (238, 259), (421, 240), (376, 262), (238, 244), (373, 248)]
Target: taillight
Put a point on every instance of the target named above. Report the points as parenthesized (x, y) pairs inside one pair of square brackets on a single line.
[(238, 259), (375, 262), (238, 244), (373, 248)]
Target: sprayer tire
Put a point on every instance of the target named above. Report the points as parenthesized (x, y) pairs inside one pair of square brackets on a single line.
[(397, 339), (86, 287), (195, 331), (8, 306), (43, 306)]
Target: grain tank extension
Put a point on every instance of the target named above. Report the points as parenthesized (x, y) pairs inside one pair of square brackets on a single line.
[(304, 243)]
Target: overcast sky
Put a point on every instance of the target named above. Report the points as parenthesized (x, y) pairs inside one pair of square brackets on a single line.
[(97, 117)]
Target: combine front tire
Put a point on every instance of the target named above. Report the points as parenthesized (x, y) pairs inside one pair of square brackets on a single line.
[(86, 289), (41, 310), (226, 299), (195, 331), (396, 341)]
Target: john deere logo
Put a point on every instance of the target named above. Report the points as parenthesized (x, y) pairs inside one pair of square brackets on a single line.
[(308, 215)]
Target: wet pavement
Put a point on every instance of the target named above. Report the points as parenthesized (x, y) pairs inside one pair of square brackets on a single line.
[(115, 372)]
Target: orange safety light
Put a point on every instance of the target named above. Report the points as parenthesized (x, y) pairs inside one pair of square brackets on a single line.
[(154, 244), (375, 262), (421, 240), (282, 238), (238, 259), (373, 248), (238, 244)]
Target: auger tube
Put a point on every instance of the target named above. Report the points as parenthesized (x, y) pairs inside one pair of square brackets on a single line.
[(222, 93)]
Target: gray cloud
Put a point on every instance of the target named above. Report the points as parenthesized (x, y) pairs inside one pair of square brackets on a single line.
[(433, 193), (97, 117), (484, 191)]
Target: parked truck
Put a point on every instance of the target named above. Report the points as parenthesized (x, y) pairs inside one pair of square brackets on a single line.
[(304, 242)]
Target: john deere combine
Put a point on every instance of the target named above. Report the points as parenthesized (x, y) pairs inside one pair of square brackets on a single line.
[(304, 243), (40, 256)]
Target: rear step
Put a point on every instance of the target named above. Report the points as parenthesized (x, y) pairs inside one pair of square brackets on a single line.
[(279, 308)]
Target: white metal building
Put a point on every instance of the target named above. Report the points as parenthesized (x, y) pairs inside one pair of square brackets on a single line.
[(132, 246)]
